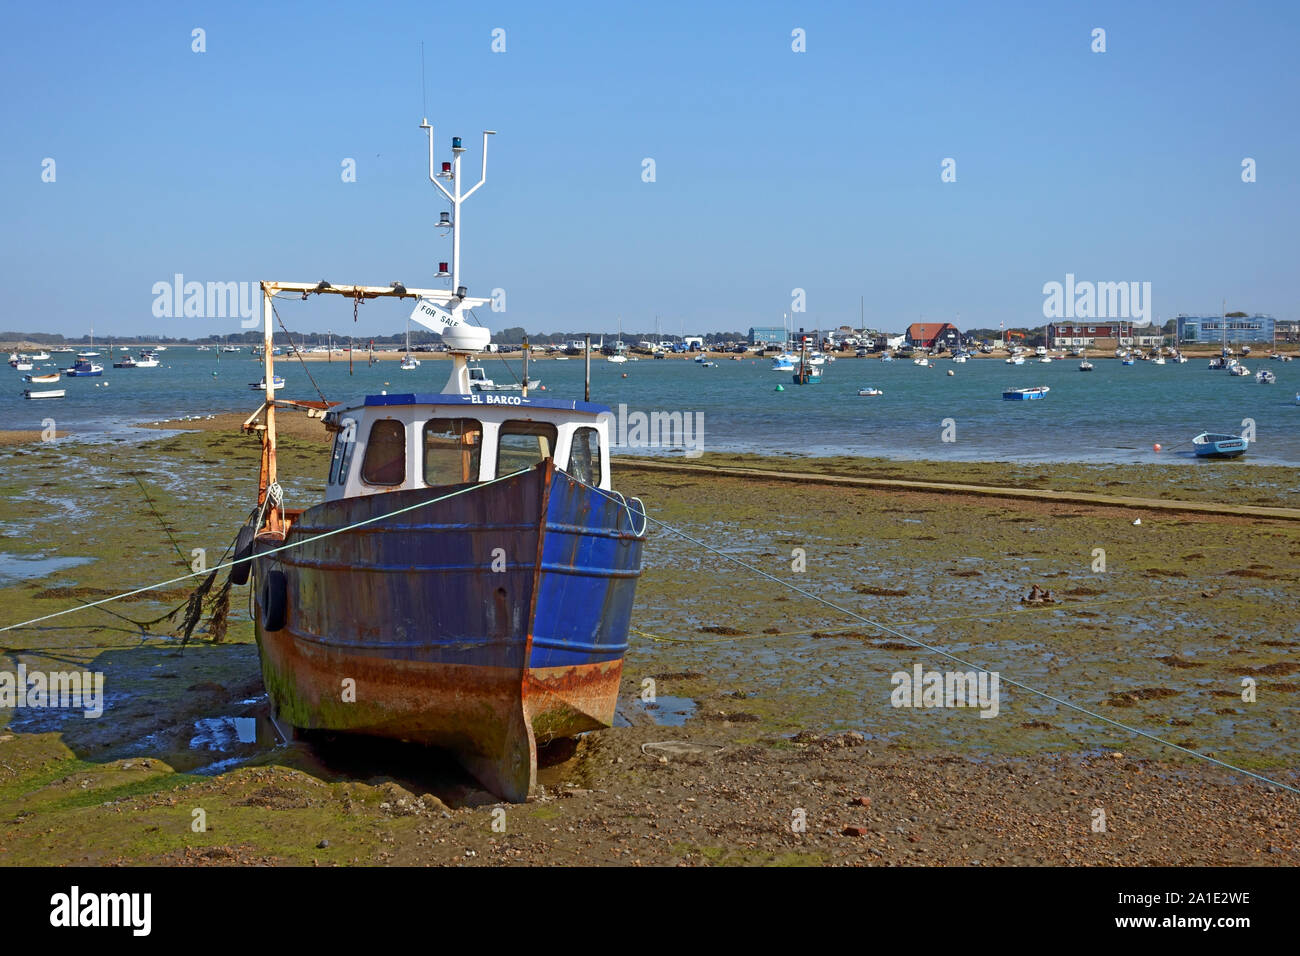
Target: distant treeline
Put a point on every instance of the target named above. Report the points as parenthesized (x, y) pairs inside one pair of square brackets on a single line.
[(513, 336)]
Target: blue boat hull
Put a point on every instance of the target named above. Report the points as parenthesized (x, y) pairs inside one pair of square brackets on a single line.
[(484, 624), (1233, 448)]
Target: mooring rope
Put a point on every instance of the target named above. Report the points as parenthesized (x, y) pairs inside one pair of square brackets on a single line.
[(260, 554), (953, 657)]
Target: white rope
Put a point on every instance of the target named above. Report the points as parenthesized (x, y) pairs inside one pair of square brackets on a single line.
[(940, 651), (260, 554)]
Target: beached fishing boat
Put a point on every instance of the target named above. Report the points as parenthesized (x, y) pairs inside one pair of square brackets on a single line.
[(48, 393), (1025, 394), (468, 580), (1209, 445)]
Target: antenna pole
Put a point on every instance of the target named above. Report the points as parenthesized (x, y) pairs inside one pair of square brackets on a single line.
[(586, 388)]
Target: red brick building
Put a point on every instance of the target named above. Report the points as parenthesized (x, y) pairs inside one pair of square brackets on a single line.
[(928, 335)]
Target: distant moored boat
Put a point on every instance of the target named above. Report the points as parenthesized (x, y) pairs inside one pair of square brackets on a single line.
[(1025, 394)]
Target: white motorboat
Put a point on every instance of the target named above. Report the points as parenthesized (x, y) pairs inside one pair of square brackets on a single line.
[(48, 393), (871, 390)]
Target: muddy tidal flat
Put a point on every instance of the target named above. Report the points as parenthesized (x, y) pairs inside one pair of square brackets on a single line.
[(758, 720)]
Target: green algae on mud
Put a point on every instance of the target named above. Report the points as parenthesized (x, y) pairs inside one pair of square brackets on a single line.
[(1185, 610), (1235, 482)]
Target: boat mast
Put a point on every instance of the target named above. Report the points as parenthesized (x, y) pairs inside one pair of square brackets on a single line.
[(268, 470), (458, 382)]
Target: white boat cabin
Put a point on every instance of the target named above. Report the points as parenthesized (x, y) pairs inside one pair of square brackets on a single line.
[(396, 442)]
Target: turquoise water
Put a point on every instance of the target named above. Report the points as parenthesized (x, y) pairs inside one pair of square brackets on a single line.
[(1113, 414)]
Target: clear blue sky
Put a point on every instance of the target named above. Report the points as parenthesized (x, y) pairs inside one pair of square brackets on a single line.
[(775, 169)]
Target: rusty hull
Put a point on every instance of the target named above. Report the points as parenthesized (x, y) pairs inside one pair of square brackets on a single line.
[(401, 629)]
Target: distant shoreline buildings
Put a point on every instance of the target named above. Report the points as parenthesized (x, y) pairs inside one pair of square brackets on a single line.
[(1194, 329)]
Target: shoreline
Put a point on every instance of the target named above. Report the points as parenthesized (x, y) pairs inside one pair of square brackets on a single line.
[(767, 700)]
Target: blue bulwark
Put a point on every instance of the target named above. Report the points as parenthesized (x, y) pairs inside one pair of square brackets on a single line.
[(489, 399)]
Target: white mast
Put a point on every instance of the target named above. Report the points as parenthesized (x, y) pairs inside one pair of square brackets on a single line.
[(462, 338)]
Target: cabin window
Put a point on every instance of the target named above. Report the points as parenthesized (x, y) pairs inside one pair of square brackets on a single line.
[(344, 443), (451, 450), (385, 461), (584, 456), (521, 445)]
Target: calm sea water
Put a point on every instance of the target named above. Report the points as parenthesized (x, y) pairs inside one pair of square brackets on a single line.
[(1113, 414)]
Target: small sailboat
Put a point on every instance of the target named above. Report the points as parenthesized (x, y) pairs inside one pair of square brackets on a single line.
[(409, 363), (1210, 445), (618, 358)]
